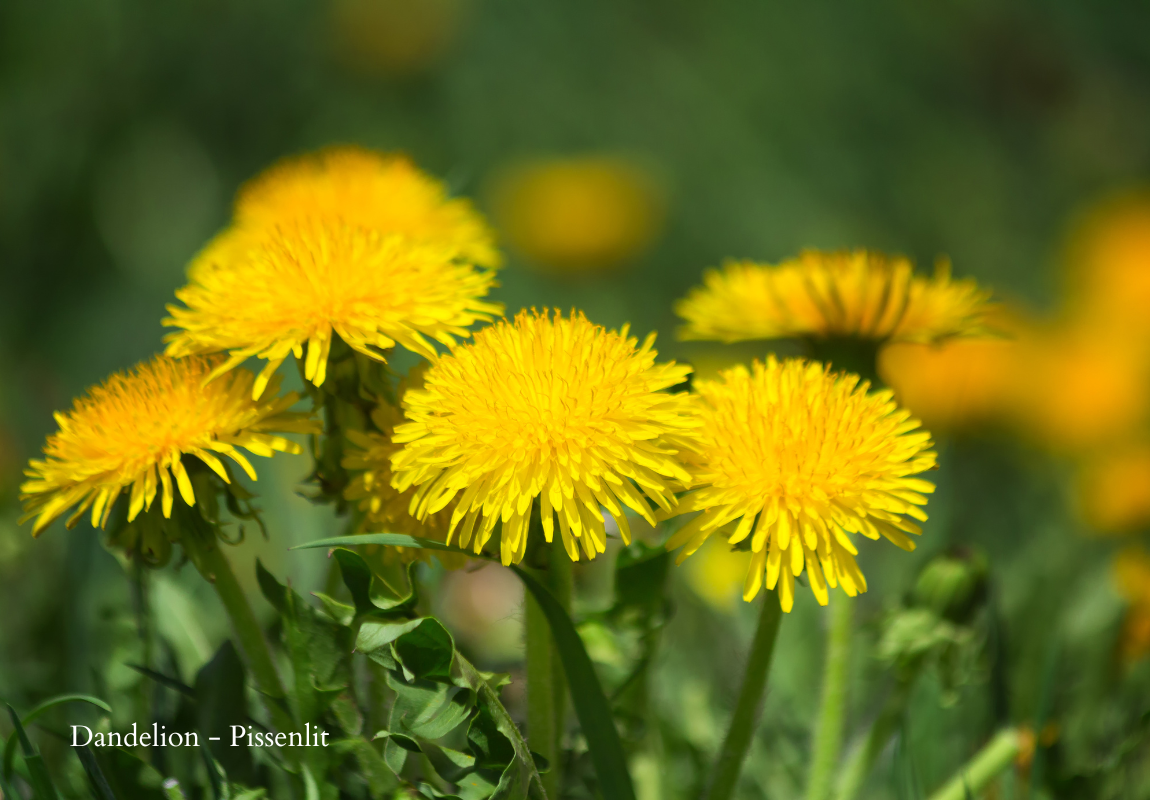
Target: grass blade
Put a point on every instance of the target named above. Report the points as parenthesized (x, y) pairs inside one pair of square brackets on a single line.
[(591, 706), (42, 788)]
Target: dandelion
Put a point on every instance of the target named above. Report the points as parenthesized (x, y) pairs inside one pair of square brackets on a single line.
[(797, 458), (132, 432), (545, 407), (384, 508), (579, 214), (857, 294), (348, 244)]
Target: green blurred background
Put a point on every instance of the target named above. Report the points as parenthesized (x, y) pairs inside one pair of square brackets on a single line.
[(971, 129)]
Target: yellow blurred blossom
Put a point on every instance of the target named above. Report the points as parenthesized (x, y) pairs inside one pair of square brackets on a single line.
[(716, 573), (578, 214)]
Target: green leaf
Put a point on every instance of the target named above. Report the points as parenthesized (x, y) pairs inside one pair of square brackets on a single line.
[(220, 703), (392, 539), (127, 776), (95, 775), (341, 613), (42, 788), (369, 593), (427, 650), (40, 710), (591, 706)]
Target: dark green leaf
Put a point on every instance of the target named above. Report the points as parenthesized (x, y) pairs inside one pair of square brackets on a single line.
[(95, 775), (369, 593), (426, 651), (221, 703), (591, 706), (40, 710), (42, 788), (128, 777), (392, 539)]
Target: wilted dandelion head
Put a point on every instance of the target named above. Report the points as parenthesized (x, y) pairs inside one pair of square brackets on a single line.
[(544, 407), (797, 459), (386, 509), (579, 214), (131, 432), (844, 294)]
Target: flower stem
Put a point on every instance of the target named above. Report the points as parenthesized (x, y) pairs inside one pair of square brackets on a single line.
[(832, 713), (214, 566), (546, 683), (743, 723), (995, 756)]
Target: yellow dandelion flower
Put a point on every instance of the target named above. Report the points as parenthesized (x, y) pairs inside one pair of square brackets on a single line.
[(131, 432), (545, 407), (361, 188), (385, 509), (858, 294), (579, 214), (347, 243), (308, 282), (813, 457)]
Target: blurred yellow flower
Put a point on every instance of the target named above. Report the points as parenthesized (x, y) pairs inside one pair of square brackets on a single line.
[(545, 407), (1114, 489), (1132, 579), (394, 37), (715, 572), (813, 457), (1109, 264), (360, 188), (956, 382), (578, 214), (1075, 389), (386, 510), (347, 243), (132, 432), (859, 294)]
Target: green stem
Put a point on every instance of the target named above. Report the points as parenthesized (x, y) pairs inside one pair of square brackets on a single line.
[(546, 682), (995, 756), (743, 724), (214, 566), (832, 713), (862, 759)]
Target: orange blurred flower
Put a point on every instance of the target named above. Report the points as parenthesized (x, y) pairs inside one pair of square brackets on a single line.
[(1132, 579), (1077, 389), (1109, 265), (1114, 489), (583, 214), (957, 382)]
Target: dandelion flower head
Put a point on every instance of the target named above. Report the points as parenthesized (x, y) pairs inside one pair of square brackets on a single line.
[(546, 407), (131, 433), (796, 459), (345, 243), (362, 188), (859, 294)]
